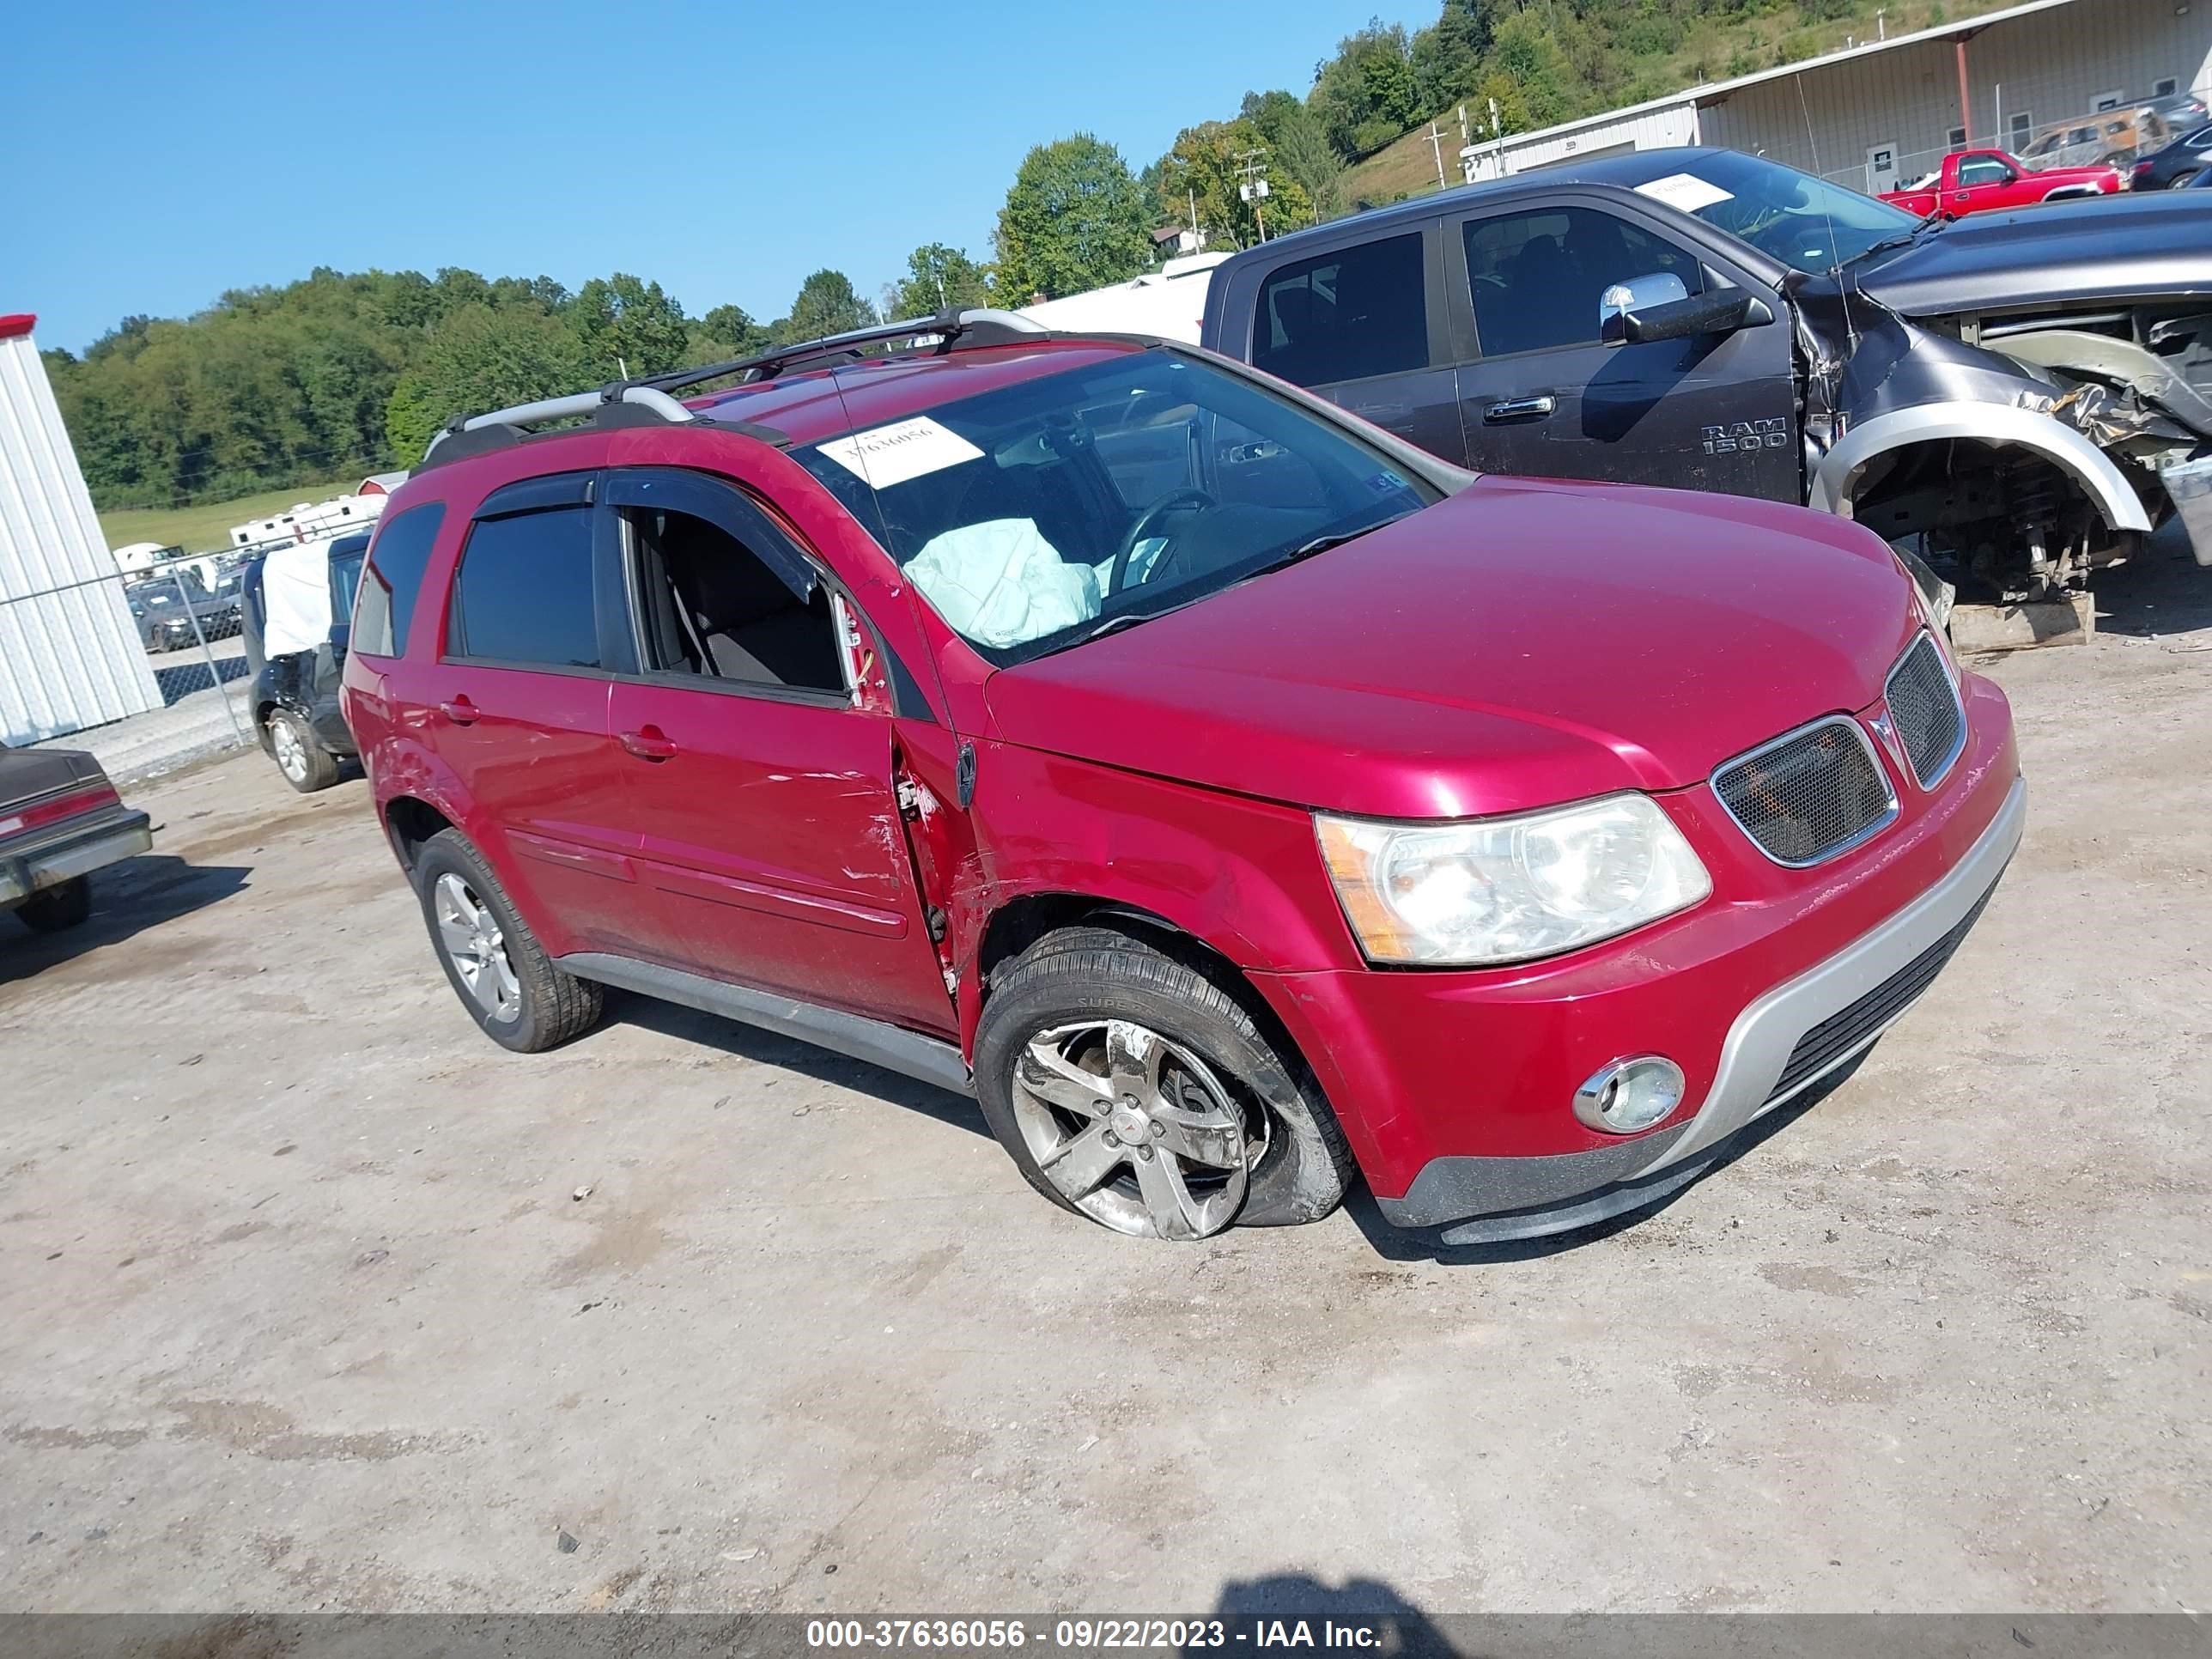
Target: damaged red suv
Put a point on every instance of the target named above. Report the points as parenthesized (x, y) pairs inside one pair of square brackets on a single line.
[(1237, 801)]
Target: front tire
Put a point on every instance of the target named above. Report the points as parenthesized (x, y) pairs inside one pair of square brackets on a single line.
[(1135, 1089), (52, 909), (306, 765), (495, 964)]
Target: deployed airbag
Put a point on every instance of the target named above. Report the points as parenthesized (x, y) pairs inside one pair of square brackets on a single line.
[(1000, 583)]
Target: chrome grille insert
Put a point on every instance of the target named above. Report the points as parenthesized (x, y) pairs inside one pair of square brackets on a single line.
[(1810, 795), (1924, 707)]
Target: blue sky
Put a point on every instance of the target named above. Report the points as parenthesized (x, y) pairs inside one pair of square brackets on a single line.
[(155, 154)]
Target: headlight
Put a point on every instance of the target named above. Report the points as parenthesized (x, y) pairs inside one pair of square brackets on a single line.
[(1507, 889)]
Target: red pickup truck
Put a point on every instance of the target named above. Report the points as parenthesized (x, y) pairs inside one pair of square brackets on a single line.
[(1976, 181)]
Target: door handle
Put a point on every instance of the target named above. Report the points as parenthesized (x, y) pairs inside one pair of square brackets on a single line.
[(648, 743), (459, 710), (1520, 409)]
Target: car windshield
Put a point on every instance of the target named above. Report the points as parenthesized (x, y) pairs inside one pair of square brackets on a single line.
[(1036, 516), (1786, 214)]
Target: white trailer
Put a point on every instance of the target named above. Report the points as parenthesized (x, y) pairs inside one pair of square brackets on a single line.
[(1170, 302), (70, 653)]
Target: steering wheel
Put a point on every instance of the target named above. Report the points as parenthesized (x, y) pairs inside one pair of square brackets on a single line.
[(1189, 498)]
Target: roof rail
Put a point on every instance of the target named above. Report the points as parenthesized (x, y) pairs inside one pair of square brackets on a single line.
[(947, 325), (644, 399)]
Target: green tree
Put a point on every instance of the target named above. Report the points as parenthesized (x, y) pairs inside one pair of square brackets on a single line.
[(1204, 165), (627, 325), (482, 359), (827, 304), (725, 333), (1365, 95), (1075, 220), (936, 277)]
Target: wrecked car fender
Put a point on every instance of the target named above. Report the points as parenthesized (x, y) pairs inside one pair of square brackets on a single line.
[(1836, 481)]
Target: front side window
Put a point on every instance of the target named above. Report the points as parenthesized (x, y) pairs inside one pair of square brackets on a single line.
[(1034, 516), (397, 558), (1345, 315), (1983, 170), (1537, 278), (524, 592), (711, 607)]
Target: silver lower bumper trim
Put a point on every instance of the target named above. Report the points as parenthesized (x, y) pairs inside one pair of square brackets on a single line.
[(1765, 1034)]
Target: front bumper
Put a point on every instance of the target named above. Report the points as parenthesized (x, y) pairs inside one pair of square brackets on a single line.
[(70, 850), (1781, 1045)]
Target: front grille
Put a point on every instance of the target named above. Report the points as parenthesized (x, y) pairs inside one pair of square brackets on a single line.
[(1810, 795), (1850, 1028), (1925, 705)]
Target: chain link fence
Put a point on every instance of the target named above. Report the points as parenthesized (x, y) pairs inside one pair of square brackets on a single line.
[(189, 617)]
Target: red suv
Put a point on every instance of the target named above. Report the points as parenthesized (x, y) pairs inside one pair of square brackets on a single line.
[(1230, 796)]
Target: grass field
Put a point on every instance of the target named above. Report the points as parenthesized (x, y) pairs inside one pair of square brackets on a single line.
[(1408, 167), (203, 528)]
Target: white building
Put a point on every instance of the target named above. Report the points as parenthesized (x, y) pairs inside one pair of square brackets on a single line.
[(1880, 112), (70, 654), (1169, 302)]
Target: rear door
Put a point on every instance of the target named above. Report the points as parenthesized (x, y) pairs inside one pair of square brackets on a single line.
[(1540, 395), (761, 798), (518, 706), (1363, 325)]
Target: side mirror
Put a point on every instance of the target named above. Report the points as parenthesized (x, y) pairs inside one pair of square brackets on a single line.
[(1678, 316)]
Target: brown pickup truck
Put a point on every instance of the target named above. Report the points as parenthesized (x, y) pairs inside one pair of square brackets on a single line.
[(60, 819)]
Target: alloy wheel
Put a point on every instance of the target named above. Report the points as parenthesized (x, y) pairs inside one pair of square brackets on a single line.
[(1134, 1129), (476, 946), (291, 753)]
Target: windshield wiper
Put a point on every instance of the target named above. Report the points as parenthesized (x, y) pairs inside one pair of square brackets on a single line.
[(1303, 550), (1900, 240)]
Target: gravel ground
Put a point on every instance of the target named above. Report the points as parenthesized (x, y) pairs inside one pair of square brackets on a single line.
[(304, 1313)]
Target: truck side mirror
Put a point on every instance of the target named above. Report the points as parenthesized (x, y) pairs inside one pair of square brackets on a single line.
[(1678, 316)]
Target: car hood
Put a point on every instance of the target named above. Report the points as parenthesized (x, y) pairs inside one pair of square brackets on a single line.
[(2101, 247), (1521, 644)]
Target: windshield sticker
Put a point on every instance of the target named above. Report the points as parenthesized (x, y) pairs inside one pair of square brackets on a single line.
[(886, 455), (1384, 483), (1685, 191)]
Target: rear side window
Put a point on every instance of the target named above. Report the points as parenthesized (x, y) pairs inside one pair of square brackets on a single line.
[(393, 578), (1345, 315), (523, 591), (1536, 278)]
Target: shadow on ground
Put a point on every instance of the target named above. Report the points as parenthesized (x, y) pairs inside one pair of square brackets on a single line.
[(790, 1055), (127, 899), (2162, 593), (1399, 1629)]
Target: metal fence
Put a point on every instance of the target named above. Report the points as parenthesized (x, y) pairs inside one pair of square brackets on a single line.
[(189, 619)]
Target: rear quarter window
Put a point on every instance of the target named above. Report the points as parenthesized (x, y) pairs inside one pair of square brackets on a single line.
[(394, 580)]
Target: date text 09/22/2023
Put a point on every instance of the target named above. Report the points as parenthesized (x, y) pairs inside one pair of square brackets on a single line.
[(1091, 1635)]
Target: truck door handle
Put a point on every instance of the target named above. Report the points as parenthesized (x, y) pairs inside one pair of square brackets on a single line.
[(648, 743), (1520, 409), (460, 711)]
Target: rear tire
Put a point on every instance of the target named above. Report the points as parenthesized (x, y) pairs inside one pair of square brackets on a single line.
[(306, 765), (54, 909), (495, 964), (1199, 1120)]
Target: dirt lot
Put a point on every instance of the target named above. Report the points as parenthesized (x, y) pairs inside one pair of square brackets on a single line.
[(302, 1313)]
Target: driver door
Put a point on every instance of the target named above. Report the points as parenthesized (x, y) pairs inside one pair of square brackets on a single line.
[(1540, 395)]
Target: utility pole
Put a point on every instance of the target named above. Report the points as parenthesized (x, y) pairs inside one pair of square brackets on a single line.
[(1437, 145), (1497, 142), (1197, 236), (1253, 189)]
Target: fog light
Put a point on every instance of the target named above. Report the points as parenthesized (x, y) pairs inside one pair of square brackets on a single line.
[(1630, 1095)]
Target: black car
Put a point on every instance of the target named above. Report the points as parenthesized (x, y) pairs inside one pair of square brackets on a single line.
[(2181, 163), (2027, 392), (175, 609), (298, 616)]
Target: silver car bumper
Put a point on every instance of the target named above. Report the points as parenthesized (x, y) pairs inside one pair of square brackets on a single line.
[(1837, 1009), (74, 852)]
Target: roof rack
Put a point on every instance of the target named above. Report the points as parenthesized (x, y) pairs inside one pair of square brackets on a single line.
[(645, 400)]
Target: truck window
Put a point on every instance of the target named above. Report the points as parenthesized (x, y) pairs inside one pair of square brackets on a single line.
[(1345, 315), (1982, 170), (1536, 278)]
